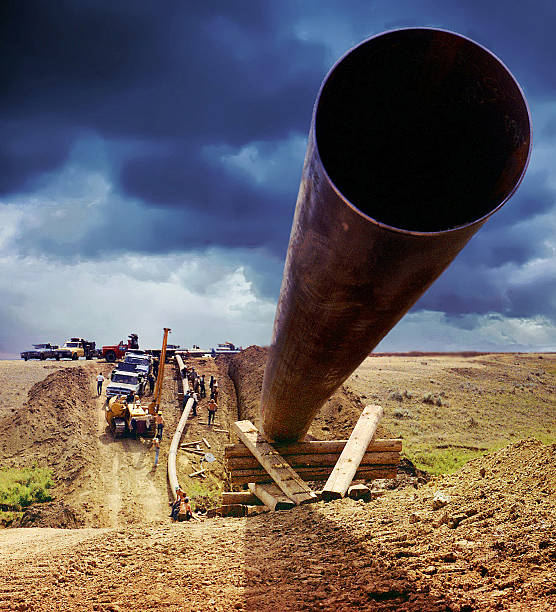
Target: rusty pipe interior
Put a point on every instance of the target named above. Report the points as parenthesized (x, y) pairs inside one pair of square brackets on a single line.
[(418, 136)]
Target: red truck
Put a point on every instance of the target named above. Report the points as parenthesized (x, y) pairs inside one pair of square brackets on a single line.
[(111, 353)]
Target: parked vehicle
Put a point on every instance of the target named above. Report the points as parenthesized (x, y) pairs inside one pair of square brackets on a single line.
[(124, 383), (142, 363), (77, 347), (41, 351), (117, 351)]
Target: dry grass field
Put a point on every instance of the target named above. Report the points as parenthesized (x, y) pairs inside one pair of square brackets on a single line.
[(451, 408)]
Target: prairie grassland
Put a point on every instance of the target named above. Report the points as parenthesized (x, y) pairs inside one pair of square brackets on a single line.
[(449, 409)]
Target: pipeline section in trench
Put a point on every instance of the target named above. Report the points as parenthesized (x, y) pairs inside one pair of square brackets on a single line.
[(172, 453)]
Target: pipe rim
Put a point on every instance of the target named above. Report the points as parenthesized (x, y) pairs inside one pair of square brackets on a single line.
[(476, 222)]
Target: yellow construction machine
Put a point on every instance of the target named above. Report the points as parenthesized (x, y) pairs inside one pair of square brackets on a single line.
[(129, 416)]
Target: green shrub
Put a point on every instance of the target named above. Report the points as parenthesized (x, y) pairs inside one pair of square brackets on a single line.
[(203, 496), (21, 487)]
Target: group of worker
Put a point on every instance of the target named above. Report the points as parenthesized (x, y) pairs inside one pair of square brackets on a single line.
[(197, 391)]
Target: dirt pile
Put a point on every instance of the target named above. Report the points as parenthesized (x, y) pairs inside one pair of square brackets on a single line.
[(51, 514), (335, 420), (52, 427)]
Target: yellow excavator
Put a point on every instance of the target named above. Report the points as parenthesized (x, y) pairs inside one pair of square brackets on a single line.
[(126, 416)]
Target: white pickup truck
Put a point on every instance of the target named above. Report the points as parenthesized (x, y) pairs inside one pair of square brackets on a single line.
[(124, 383)]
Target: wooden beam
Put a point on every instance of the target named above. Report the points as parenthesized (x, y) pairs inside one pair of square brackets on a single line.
[(198, 473), (194, 451), (374, 472), (206, 442), (316, 460), (240, 497), (279, 469), (271, 496), (316, 447), (343, 473)]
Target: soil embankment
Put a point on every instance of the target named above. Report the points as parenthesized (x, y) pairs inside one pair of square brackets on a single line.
[(334, 421)]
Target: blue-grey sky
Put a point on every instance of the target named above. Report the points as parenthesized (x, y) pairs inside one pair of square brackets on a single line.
[(151, 152)]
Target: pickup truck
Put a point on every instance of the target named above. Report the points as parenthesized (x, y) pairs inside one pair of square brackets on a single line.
[(117, 351), (41, 351), (77, 347), (142, 363), (124, 383)]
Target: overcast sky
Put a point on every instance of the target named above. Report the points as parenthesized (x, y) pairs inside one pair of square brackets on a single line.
[(151, 152)]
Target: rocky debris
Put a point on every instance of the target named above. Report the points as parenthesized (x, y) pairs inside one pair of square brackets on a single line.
[(360, 491), (439, 500)]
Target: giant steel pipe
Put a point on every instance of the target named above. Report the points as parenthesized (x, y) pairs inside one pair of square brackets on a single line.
[(418, 136)]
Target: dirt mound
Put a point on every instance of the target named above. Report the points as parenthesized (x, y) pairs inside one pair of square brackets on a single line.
[(52, 514), (54, 428), (335, 420), (51, 429)]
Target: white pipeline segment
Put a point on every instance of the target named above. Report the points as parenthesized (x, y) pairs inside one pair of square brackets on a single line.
[(172, 476)]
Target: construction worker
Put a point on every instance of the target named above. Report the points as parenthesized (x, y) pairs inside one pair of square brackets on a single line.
[(195, 402), (180, 496), (156, 445), (202, 387), (212, 408), (100, 380), (186, 507), (150, 379), (159, 420)]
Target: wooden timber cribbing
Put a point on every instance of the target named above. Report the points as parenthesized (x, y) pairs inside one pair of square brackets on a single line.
[(172, 453), (315, 460)]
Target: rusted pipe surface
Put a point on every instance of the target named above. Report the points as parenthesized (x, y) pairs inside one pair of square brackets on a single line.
[(417, 137)]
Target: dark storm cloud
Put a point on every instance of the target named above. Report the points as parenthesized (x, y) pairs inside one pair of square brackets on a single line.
[(215, 72), (166, 86), (522, 35)]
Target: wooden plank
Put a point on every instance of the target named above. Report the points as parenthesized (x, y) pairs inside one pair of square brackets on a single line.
[(343, 473), (240, 497), (316, 447), (317, 460), (191, 443), (281, 472), (303, 472), (206, 442), (271, 496), (194, 451), (241, 477), (198, 473)]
